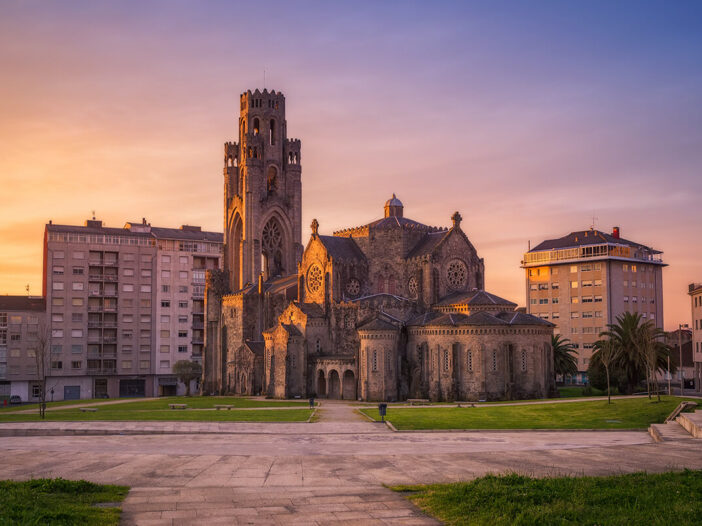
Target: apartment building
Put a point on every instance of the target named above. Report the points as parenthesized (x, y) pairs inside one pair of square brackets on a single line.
[(582, 281), (695, 292), (124, 304), (22, 330)]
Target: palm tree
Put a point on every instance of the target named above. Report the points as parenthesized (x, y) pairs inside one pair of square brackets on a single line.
[(655, 352), (631, 340), (564, 361)]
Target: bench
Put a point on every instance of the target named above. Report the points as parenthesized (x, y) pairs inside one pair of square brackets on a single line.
[(418, 401), (227, 407), (178, 406), (88, 409)]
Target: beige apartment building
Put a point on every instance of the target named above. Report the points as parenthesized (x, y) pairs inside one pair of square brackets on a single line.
[(582, 281), (22, 321), (695, 292), (124, 304)]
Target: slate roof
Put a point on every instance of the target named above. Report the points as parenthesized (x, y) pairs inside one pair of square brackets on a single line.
[(587, 237), (475, 297), (291, 329), (311, 310), (480, 318), (255, 347), (342, 247), (23, 303), (377, 324), (427, 244), (280, 284)]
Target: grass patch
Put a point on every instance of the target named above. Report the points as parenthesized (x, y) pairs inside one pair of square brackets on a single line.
[(630, 413), (639, 498), (59, 501), (117, 413), (24, 407)]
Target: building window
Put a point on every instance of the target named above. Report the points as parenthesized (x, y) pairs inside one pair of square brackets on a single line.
[(145, 288), (555, 315), (165, 288), (146, 273), (626, 299), (77, 364), (58, 318), (183, 274), (165, 303), (181, 319), (574, 315), (543, 286), (183, 304), (165, 348), (144, 364), (587, 314), (554, 285), (573, 284), (446, 360), (127, 287), (57, 364), (56, 349), (77, 302), (57, 285), (543, 301), (165, 259), (76, 349), (598, 283), (183, 260), (57, 333), (77, 333), (587, 299), (182, 334), (587, 283), (598, 299), (183, 289), (58, 271), (625, 267), (470, 361), (533, 301), (128, 271), (574, 299), (78, 271), (524, 360), (533, 286), (494, 360), (165, 364), (633, 268), (78, 285), (182, 348), (375, 360), (555, 300), (58, 254), (573, 269), (76, 317)]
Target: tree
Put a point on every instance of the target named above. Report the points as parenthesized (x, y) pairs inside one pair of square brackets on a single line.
[(187, 371), (564, 360), (625, 338), (42, 357), (605, 353), (655, 352)]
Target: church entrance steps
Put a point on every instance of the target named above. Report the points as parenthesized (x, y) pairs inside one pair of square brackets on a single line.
[(692, 422)]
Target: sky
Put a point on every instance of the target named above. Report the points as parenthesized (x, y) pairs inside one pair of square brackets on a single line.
[(530, 118)]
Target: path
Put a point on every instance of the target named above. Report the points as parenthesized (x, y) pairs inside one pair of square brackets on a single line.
[(330, 472)]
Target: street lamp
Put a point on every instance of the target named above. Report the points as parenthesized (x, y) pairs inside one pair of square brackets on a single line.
[(682, 379)]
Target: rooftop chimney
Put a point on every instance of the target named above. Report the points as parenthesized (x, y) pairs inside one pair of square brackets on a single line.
[(615, 232)]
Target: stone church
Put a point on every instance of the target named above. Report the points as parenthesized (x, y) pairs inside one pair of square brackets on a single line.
[(388, 310)]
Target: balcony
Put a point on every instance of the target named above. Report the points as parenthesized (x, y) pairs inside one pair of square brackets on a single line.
[(198, 325), (198, 341), (102, 370), (97, 355)]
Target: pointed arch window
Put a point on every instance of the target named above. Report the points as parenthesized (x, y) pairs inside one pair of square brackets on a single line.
[(272, 131), (272, 249)]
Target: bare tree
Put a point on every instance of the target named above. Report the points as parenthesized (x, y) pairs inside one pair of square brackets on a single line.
[(42, 356)]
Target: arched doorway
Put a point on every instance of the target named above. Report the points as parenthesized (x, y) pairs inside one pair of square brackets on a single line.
[(334, 385), (349, 386), (321, 385)]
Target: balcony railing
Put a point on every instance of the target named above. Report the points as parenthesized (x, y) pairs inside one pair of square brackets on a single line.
[(589, 252)]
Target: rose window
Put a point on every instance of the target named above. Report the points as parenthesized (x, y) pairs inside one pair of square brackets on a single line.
[(353, 287), (413, 287), (271, 236), (314, 278), (456, 274)]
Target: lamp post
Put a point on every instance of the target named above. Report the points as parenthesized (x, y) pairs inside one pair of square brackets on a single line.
[(682, 379)]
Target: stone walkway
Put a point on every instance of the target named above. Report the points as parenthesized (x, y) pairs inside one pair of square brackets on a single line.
[(329, 472)]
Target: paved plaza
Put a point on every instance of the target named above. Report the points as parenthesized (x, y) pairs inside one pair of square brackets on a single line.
[(331, 471)]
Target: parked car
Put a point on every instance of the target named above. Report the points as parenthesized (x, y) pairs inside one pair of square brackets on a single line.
[(15, 399)]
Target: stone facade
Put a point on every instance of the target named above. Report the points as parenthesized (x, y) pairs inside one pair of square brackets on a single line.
[(384, 311)]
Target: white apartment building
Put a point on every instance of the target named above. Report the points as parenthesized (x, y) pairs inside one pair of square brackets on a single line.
[(581, 282), (124, 304)]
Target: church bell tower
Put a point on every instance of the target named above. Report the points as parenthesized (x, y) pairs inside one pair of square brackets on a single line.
[(262, 194)]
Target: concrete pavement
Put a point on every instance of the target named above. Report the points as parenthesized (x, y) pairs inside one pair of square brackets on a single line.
[(330, 472)]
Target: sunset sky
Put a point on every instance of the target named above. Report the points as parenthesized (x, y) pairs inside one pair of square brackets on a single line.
[(529, 118)]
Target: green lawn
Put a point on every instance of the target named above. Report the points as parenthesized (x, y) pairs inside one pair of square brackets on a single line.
[(117, 413), (640, 498), (630, 413), (59, 501), (195, 402)]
